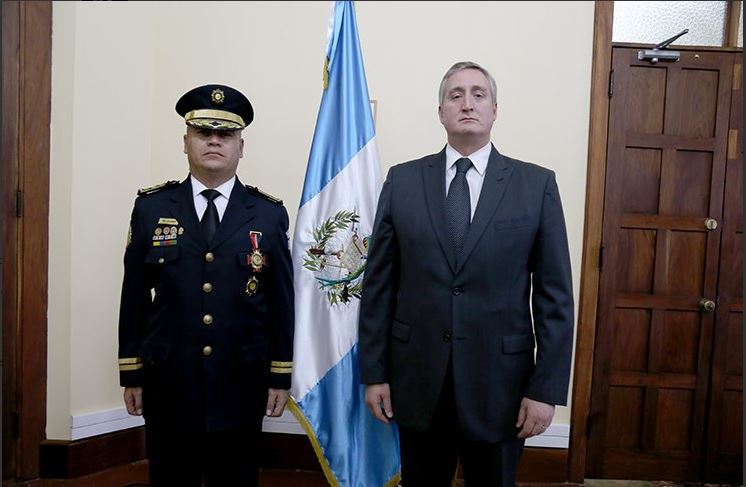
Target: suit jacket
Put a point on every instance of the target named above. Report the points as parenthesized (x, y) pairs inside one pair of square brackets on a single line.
[(420, 309), (181, 294)]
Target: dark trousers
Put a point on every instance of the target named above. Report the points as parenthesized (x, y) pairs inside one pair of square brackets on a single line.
[(429, 458), (228, 458)]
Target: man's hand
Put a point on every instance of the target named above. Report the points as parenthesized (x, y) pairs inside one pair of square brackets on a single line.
[(378, 400), (133, 400), (534, 417), (276, 400)]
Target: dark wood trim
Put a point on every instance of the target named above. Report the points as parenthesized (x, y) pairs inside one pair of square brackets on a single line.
[(121, 455), (732, 20), (589, 278), (543, 465), (36, 64), (36, 101), (71, 459), (130, 475), (28, 117), (11, 21)]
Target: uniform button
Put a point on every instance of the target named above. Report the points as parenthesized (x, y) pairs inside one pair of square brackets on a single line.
[(209, 257), (457, 290), (446, 337), (207, 351), (161, 260), (207, 287), (207, 319)]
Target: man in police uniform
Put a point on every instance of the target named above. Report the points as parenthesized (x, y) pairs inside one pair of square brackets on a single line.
[(207, 354)]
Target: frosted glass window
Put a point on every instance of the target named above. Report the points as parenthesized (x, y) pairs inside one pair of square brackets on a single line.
[(740, 28), (653, 22)]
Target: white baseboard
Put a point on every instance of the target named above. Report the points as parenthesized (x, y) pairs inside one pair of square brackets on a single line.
[(102, 422), (111, 420), (556, 436)]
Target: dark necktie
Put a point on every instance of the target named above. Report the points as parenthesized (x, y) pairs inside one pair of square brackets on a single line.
[(210, 218), (458, 206)]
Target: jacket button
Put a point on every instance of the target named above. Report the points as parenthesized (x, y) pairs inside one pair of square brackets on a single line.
[(207, 319), (207, 287), (209, 257), (446, 337), (161, 260), (457, 290), (207, 351)]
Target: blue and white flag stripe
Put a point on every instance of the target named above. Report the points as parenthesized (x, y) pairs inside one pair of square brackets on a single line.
[(343, 177), (344, 124)]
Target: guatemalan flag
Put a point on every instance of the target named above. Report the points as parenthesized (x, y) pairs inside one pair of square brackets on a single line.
[(330, 246)]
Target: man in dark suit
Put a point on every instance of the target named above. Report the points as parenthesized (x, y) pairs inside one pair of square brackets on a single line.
[(468, 269), (206, 318)]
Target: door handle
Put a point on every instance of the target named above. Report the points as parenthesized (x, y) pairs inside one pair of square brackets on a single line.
[(706, 305)]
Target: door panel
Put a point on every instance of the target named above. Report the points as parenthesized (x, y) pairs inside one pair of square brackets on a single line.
[(725, 440), (666, 170)]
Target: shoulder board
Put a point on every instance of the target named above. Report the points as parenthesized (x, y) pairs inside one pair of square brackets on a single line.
[(264, 195), (157, 187)]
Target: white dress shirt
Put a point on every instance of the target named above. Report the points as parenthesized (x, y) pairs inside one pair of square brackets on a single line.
[(475, 174), (221, 202)]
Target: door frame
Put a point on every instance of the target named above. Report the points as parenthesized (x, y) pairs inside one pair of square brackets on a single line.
[(26, 111), (580, 420)]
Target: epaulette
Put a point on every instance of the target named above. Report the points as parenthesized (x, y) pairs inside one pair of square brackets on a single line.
[(157, 187), (264, 195)]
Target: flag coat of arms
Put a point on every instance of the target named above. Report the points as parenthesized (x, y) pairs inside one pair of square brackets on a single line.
[(330, 245)]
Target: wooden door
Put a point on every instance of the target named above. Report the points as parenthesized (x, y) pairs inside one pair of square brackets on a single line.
[(725, 440), (663, 222)]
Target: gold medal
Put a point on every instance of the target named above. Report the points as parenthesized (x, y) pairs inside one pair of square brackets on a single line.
[(158, 230), (252, 286), (257, 260)]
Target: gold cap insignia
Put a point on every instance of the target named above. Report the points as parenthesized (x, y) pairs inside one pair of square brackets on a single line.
[(218, 97)]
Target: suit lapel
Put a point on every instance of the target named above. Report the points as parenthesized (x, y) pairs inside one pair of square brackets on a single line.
[(182, 208), (495, 181), (434, 179), (235, 214)]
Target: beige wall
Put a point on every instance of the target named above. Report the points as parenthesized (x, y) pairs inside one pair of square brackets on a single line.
[(118, 68)]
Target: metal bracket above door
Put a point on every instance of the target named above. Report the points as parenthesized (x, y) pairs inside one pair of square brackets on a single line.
[(660, 53)]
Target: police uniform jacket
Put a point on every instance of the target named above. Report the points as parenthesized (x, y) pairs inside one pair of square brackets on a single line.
[(510, 291), (202, 330)]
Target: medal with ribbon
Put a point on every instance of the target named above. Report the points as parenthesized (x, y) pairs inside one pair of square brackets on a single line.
[(256, 260)]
